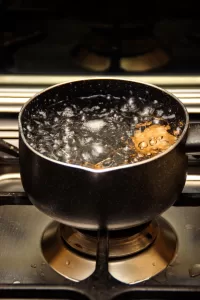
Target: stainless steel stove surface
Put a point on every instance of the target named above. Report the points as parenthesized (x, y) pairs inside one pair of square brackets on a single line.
[(22, 263), (26, 234)]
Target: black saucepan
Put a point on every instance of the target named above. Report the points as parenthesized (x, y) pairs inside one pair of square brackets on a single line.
[(117, 197)]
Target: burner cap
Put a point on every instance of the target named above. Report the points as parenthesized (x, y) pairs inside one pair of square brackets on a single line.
[(121, 243)]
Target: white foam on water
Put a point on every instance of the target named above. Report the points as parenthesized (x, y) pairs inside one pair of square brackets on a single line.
[(29, 128), (169, 117), (159, 112), (68, 112), (86, 156), (147, 111), (97, 148), (94, 125), (42, 113)]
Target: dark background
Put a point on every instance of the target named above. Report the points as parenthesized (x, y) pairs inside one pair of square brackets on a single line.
[(55, 37)]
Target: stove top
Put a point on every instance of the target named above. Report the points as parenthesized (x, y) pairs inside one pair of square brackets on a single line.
[(29, 269), (42, 259)]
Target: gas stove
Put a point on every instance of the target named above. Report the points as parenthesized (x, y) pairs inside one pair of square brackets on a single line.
[(40, 258)]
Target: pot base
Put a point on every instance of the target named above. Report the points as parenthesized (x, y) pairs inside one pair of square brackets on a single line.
[(127, 263)]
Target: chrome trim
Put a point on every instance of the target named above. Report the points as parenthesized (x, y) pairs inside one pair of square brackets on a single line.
[(7, 109), (8, 124), (9, 134), (10, 176), (193, 178), (14, 142), (31, 80), (21, 93)]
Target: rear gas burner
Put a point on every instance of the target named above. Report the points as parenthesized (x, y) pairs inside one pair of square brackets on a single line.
[(134, 256), (129, 49)]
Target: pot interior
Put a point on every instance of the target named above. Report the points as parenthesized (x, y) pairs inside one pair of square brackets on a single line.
[(85, 105)]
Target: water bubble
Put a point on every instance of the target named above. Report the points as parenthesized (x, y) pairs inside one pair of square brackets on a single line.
[(29, 128), (177, 131), (173, 116), (142, 145), (16, 282), (97, 148), (107, 162), (189, 226), (194, 271), (152, 141), (159, 138), (159, 112), (147, 111), (42, 113), (68, 112), (164, 143), (170, 273), (83, 117), (86, 156), (94, 125)]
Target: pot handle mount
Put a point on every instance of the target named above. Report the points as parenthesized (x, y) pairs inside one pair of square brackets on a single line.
[(9, 148), (193, 139)]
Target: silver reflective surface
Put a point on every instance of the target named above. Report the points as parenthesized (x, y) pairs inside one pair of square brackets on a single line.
[(17, 90), (21, 258)]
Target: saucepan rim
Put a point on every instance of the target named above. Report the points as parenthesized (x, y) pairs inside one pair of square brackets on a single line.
[(112, 168)]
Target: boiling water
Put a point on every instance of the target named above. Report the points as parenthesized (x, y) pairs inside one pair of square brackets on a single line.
[(97, 135)]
